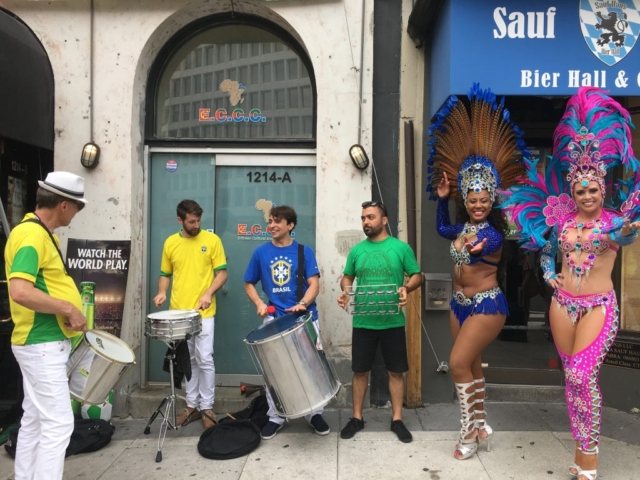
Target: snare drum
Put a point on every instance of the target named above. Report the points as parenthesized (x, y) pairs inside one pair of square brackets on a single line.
[(96, 365), (171, 325)]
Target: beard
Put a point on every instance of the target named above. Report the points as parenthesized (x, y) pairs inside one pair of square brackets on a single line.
[(373, 231), (192, 232)]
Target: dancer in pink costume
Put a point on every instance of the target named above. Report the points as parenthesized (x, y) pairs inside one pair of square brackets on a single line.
[(563, 209)]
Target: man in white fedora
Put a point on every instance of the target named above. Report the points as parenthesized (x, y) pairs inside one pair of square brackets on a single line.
[(47, 310)]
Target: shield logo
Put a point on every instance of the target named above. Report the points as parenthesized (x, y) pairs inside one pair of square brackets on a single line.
[(281, 272), (610, 28)]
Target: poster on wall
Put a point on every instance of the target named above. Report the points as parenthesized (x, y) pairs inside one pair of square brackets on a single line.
[(101, 267)]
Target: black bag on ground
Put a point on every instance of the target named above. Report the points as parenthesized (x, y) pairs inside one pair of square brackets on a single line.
[(88, 436), (256, 411), (231, 439), (237, 434)]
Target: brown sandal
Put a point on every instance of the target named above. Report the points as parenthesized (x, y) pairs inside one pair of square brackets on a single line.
[(209, 419), (187, 416)]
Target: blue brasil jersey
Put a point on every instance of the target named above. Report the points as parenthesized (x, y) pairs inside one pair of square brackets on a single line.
[(276, 268)]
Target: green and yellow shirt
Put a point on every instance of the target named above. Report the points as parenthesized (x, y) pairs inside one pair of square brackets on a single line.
[(192, 263), (31, 255)]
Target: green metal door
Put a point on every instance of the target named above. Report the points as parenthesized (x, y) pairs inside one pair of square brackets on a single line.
[(174, 177), (237, 191), (244, 195)]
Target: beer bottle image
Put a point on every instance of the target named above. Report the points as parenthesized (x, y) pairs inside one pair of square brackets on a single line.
[(88, 290)]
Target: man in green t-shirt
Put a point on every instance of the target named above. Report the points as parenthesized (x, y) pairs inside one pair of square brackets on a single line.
[(379, 263)]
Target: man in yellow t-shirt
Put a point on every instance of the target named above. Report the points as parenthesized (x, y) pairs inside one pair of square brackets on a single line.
[(196, 261), (46, 310)]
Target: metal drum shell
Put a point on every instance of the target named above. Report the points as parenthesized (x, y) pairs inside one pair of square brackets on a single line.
[(104, 372), (172, 325), (298, 375)]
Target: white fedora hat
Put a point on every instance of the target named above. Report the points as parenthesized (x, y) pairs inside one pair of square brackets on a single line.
[(65, 184)]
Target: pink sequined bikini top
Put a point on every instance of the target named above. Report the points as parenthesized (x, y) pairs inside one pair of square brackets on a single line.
[(586, 249)]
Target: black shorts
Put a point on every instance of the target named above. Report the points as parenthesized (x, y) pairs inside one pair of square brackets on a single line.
[(393, 344)]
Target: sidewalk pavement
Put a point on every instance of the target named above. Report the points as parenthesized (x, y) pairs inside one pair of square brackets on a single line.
[(532, 441)]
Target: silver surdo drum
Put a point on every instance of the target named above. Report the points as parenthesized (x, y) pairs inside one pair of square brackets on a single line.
[(298, 374), (96, 365), (172, 325)]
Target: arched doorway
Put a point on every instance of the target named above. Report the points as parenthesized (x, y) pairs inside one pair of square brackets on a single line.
[(231, 122), (26, 156)]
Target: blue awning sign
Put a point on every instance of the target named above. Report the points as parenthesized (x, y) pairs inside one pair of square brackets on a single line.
[(524, 24), (535, 47), (610, 28)]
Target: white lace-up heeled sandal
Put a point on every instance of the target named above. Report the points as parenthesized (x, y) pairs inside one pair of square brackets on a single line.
[(588, 474), (481, 423), (574, 469), (466, 446)]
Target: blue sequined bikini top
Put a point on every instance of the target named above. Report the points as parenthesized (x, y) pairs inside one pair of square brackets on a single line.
[(463, 257)]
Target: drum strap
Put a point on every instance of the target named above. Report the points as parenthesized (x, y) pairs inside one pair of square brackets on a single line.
[(300, 271), (39, 222)]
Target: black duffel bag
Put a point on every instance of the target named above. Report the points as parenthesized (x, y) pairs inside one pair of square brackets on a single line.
[(230, 439), (88, 436)]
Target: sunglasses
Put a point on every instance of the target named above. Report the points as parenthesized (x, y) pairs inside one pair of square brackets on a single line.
[(375, 203), (80, 205)]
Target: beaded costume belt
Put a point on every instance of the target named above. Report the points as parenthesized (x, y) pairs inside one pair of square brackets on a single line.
[(461, 299)]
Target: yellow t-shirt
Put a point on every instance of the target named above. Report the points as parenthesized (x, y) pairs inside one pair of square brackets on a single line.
[(31, 255), (192, 263)]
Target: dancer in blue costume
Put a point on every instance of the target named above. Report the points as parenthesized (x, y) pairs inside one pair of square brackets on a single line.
[(483, 149)]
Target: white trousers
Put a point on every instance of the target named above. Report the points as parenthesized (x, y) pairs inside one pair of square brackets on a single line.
[(201, 387), (47, 422), (273, 413)]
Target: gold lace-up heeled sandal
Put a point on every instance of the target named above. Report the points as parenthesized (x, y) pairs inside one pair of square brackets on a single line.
[(466, 446), (481, 423)]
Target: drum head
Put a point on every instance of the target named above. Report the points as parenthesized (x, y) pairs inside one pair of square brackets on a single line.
[(110, 346), (173, 314), (277, 326)]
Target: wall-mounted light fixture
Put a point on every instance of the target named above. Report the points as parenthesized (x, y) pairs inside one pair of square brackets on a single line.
[(359, 157), (90, 155), (91, 151)]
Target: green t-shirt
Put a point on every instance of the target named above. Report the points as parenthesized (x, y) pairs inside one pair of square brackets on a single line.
[(375, 264)]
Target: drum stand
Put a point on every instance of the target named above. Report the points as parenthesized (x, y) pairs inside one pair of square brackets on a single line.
[(169, 413)]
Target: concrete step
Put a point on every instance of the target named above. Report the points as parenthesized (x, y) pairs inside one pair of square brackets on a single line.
[(525, 393), (144, 401)]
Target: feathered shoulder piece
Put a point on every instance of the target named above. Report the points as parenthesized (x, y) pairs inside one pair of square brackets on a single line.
[(478, 145), (541, 200)]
